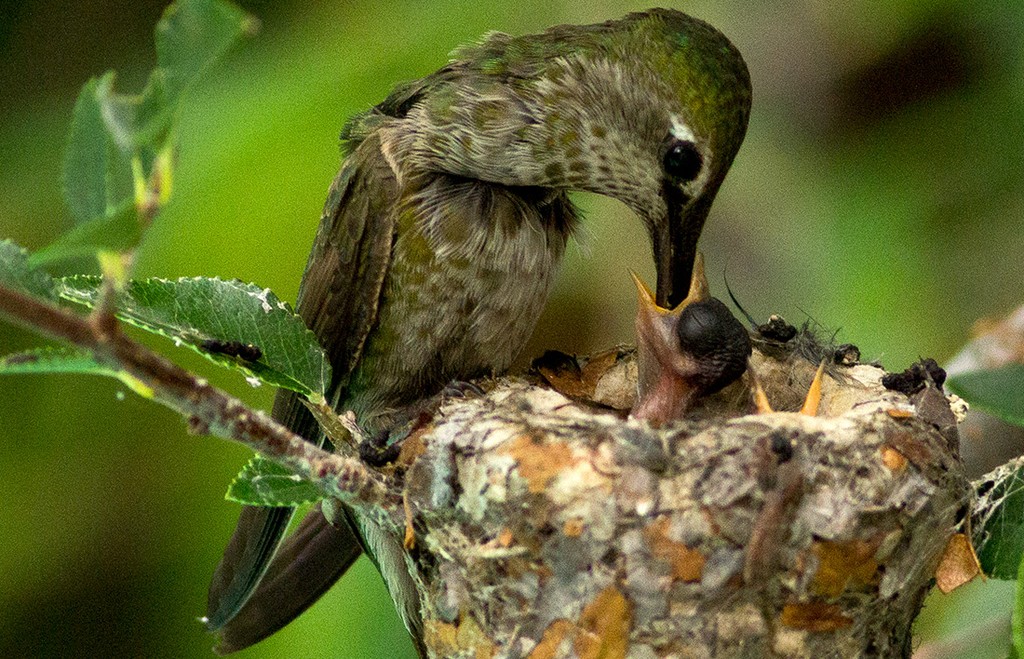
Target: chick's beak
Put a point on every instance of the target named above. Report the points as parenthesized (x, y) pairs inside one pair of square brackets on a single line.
[(691, 350), (662, 395)]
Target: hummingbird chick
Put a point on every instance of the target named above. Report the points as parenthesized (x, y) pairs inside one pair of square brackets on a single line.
[(441, 237), (685, 353)]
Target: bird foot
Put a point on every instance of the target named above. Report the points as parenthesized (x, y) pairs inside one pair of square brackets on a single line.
[(384, 447), (461, 389)]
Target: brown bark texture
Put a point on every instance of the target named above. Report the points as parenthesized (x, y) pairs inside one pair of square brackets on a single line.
[(541, 521)]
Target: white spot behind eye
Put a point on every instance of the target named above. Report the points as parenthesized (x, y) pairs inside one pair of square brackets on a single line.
[(681, 131)]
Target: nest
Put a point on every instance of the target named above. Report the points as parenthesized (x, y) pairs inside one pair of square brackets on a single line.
[(540, 521)]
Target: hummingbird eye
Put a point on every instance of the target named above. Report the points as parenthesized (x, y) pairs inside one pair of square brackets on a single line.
[(683, 162)]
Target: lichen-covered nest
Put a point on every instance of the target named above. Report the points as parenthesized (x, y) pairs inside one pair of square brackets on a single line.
[(542, 522)]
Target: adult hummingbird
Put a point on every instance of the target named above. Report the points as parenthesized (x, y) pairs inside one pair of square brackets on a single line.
[(442, 233)]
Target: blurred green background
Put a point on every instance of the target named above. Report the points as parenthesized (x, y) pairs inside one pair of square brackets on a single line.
[(880, 193)]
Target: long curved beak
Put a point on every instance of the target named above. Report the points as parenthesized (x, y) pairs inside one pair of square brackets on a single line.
[(675, 244)]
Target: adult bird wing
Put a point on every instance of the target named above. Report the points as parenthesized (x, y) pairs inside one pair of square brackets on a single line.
[(338, 300)]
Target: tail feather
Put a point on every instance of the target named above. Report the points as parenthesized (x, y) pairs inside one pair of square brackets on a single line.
[(252, 560), (245, 562), (311, 560)]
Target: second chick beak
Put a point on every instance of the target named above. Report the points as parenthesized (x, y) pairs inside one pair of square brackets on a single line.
[(687, 352)]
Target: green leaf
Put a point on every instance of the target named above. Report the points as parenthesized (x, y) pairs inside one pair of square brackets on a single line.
[(238, 325), (138, 122), (107, 131), (99, 181), (53, 360), (120, 146), (17, 271), (118, 232), (192, 35), (999, 391), (86, 157), (265, 483), (67, 360), (998, 520)]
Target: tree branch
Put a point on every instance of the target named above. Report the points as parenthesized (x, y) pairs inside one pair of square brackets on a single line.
[(207, 408)]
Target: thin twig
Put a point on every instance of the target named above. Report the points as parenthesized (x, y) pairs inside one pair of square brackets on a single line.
[(205, 407), (103, 318)]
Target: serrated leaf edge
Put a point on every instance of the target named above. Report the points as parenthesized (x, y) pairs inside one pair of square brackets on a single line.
[(63, 284), (252, 465)]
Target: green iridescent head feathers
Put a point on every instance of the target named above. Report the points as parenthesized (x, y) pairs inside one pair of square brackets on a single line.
[(586, 107)]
